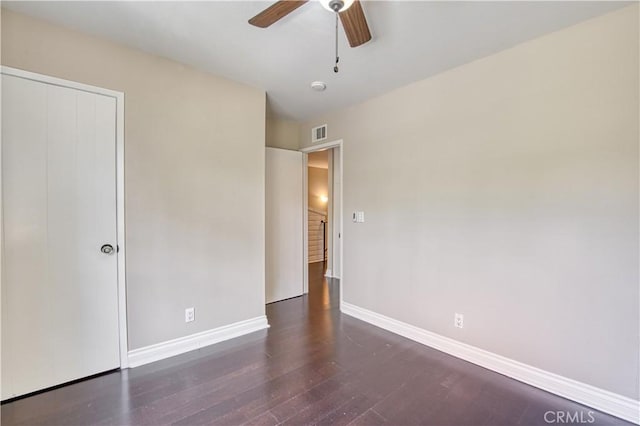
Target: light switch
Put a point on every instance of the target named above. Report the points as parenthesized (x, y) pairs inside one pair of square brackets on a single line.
[(358, 217)]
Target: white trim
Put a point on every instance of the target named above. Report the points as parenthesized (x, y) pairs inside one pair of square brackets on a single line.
[(322, 146), (58, 81), (327, 145), (341, 218), (600, 399), (305, 224), (327, 273), (195, 341), (119, 97), (328, 253), (121, 253), (1, 235)]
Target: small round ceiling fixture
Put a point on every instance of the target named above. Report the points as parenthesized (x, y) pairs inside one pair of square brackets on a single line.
[(336, 5), (319, 86)]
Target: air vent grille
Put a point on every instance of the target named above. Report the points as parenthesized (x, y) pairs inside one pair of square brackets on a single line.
[(319, 133)]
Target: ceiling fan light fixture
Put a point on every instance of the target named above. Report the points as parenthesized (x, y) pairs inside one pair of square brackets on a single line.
[(336, 5)]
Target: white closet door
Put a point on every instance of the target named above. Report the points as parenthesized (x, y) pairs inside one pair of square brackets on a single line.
[(59, 290), (284, 217)]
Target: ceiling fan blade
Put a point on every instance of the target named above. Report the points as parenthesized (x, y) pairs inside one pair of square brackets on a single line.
[(355, 25), (275, 12)]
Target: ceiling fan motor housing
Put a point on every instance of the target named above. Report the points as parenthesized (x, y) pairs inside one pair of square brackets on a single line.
[(336, 5)]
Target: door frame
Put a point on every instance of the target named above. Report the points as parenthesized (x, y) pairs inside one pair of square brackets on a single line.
[(120, 216), (320, 147)]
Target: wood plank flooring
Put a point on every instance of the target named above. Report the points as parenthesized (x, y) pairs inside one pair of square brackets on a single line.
[(313, 366)]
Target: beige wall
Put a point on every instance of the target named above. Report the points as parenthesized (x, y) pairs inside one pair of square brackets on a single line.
[(283, 134), (507, 190), (318, 185), (194, 146)]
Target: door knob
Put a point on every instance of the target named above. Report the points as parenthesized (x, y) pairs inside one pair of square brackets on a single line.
[(107, 249)]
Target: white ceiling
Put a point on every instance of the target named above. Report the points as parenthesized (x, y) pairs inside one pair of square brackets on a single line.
[(411, 41)]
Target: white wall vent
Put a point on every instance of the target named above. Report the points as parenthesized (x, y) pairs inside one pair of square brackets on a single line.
[(319, 133)]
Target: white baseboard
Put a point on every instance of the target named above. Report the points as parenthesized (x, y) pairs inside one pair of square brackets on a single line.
[(600, 399), (181, 345)]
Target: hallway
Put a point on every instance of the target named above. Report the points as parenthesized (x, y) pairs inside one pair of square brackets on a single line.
[(313, 366)]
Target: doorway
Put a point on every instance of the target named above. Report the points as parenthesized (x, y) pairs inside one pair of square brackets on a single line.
[(318, 205), (292, 210), (323, 209)]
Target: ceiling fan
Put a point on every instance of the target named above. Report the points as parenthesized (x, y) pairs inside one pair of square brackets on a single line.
[(350, 13)]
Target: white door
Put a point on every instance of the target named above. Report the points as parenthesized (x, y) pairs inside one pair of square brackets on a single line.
[(284, 215), (59, 289)]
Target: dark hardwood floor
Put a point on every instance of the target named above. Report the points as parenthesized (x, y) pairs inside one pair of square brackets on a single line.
[(313, 366)]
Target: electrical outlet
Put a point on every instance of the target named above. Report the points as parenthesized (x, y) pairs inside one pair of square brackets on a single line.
[(458, 320), (189, 314)]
